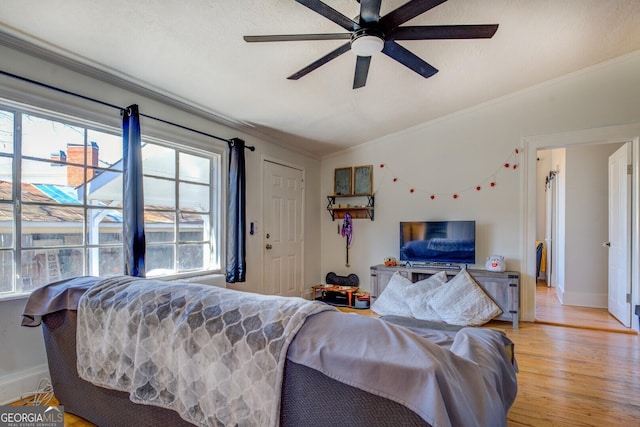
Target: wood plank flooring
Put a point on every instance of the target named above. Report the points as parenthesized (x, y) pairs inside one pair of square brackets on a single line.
[(550, 311), (569, 376)]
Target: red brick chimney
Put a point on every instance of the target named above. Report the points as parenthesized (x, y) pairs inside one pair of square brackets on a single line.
[(75, 155)]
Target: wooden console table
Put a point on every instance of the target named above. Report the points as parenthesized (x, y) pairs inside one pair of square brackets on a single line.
[(503, 287), (348, 290)]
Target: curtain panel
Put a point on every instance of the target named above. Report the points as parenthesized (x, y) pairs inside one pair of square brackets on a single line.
[(236, 213), (132, 193)]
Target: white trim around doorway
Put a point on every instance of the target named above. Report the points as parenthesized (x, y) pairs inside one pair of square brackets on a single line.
[(531, 144)]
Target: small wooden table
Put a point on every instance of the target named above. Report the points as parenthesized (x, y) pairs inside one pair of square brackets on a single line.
[(348, 290)]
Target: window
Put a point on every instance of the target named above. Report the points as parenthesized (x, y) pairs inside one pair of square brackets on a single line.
[(61, 202)]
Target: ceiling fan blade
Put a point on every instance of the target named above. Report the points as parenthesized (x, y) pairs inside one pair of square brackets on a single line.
[(328, 57), (297, 37), (407, 12), (330, 13), (408, 59), (362, 70), (370, 10), (435, 32)]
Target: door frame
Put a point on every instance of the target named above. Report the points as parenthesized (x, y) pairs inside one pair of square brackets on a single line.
[(531, 144), (270, 159)]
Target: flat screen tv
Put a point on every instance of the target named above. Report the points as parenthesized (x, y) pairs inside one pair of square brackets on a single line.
[(448, 242)]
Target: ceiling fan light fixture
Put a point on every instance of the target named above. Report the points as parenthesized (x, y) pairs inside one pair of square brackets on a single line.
[(366, 43)]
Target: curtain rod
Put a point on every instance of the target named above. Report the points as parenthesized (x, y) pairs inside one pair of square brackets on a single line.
[(97, 101)]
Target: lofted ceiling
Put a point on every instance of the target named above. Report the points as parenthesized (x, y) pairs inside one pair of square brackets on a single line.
[(193, 51)]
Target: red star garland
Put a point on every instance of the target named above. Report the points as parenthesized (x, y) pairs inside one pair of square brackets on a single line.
[(455, 196)]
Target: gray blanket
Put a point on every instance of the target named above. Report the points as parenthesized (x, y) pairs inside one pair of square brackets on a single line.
[(466, 379), (215, 356)]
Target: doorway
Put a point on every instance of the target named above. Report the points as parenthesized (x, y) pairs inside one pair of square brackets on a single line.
[(577, 213), (283, 192)]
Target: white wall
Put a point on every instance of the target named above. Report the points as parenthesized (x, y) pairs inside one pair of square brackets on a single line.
[(586, 227), (461, 150), (22, 352)]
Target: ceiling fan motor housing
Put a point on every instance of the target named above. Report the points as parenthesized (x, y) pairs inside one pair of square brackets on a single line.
[(367, 41)]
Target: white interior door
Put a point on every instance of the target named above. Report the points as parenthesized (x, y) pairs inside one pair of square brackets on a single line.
[(619, 300), (549, 239), (283, 230)]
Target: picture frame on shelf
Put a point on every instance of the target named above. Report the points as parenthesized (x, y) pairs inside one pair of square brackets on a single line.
[(363, 180), (342, 181)]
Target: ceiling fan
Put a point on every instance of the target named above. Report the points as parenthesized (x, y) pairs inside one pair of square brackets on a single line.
[(370, 33)]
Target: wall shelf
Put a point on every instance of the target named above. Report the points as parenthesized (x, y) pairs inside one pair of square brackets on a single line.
[(337, 211)]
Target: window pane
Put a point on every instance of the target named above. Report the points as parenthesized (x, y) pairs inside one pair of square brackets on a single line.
[(104, 187), (104, 226), (194, 168), (6, 271), (159, 161), (193, 227), (6, 225), (51, 226), (52, 176), (6, 178), (47, 139), (193, 257), (159, 226), (159, 260), (106, 261), (109, 149), (45, 266), (6, 132), (194, 197), (159, 193)]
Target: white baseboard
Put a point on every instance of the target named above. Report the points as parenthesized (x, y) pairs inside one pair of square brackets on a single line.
[(16, 384)]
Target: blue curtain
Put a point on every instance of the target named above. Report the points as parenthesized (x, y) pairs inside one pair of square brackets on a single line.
[(133, 196), (236, 213)]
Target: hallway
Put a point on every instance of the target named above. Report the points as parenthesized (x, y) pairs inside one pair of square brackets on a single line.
[(550, 311)]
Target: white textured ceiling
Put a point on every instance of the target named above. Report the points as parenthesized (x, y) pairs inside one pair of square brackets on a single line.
[(194, 51)]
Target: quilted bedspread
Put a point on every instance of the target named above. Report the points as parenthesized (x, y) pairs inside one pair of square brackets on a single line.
[(214, 355)]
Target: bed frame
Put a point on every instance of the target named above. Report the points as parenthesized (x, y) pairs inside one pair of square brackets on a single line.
[(308, 396)]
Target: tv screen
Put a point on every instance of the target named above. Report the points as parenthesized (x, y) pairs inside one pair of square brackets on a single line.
[(450, 242)]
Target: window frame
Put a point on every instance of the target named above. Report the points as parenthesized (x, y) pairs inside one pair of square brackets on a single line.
[(152, 132)]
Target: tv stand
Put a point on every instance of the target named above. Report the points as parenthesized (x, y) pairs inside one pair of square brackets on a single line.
[(502, 287)]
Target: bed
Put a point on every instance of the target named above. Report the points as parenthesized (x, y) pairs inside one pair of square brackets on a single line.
[(329, 367)]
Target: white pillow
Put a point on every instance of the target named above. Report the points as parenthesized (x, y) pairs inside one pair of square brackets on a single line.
[(463, 302), (391, 301), (418, 295)]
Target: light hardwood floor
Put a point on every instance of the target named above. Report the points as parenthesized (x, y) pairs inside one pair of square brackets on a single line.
[(550, 311), (568, 376)]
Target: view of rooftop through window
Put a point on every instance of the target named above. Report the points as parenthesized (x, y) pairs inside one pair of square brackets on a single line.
[(61, 192)]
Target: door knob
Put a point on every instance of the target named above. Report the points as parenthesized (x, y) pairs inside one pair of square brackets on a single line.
[(606, 244), (268, 246)]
